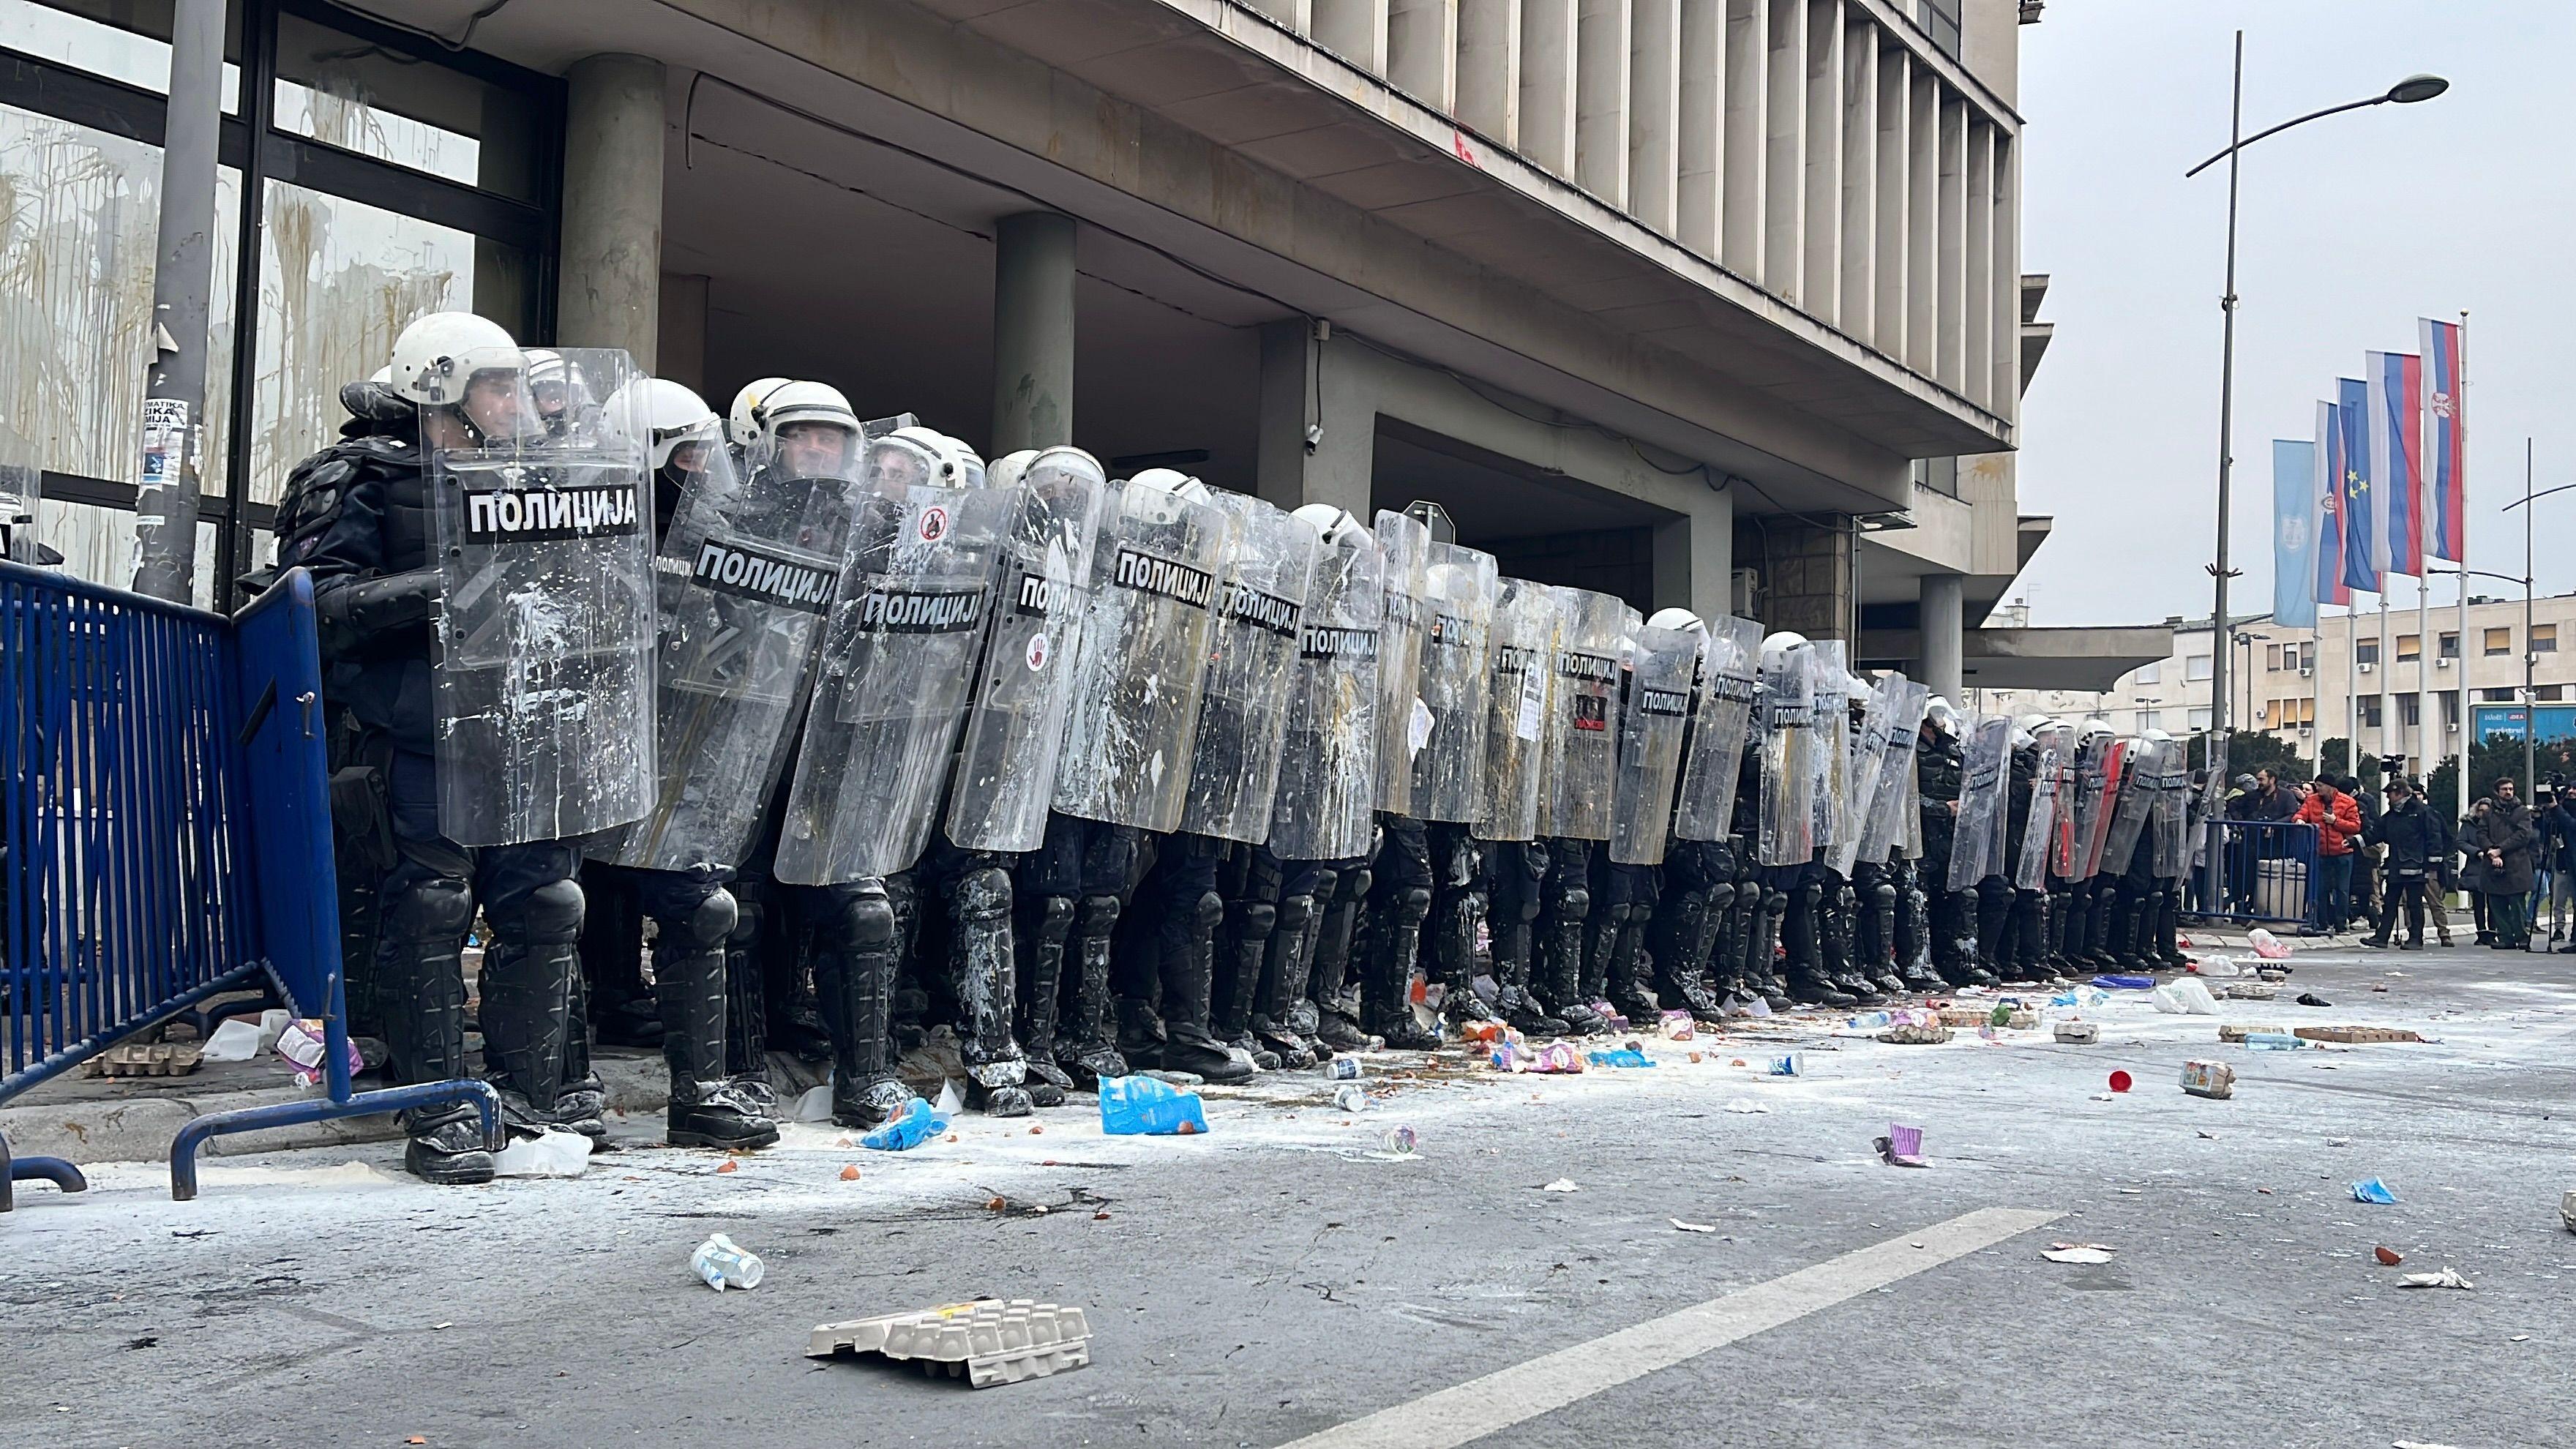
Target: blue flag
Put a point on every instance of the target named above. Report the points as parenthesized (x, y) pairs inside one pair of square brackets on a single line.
[(2355, 505), (2294, 534)]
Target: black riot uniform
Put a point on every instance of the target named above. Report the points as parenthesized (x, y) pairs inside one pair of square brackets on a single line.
[(1939, 768), (361, 524)]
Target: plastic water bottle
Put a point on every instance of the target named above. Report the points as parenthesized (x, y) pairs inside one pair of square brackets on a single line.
[(1132, 1106), (2273, 1041), (724, 1265), (1871, 1020), (917, 1125)]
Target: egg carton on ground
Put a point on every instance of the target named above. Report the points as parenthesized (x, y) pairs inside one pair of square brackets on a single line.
[(988, 1341)]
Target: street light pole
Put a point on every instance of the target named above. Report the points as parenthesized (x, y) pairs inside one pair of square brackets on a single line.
[(2406, 92), (2530, 659)]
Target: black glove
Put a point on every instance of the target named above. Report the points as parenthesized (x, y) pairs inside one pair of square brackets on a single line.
[(355, 616)]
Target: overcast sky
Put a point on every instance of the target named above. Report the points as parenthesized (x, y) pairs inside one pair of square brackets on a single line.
[(2351, 227)]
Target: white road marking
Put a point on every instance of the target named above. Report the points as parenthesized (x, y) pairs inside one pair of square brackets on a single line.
[(1516, 1395)]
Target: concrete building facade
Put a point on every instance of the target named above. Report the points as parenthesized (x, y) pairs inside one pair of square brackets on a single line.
[(2364, 676), (1715, 303)]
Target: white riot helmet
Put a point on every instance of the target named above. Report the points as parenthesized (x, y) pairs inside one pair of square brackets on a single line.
[(672, 416), (1776, 647), (438, 357), (557, 385), (742, 424), (2035, 723), (1336, 526), (1942, 716), (814, 410), (2093, 728), (1174, 482), (2155, 737), (2023, 739), (1676, 619), (1007, 470)]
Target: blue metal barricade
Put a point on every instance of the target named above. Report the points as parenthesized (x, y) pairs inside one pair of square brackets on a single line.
[(2267, 873), (165, 837)]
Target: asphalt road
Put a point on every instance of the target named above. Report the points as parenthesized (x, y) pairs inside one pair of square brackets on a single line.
[(1278, 1277)]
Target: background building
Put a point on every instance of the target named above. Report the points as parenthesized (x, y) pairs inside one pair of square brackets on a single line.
[(1714, 303)]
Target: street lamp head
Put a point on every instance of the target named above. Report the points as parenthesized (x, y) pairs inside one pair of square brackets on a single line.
[(2417, 88)]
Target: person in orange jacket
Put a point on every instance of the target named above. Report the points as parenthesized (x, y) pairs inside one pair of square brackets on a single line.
[(2338, 822)]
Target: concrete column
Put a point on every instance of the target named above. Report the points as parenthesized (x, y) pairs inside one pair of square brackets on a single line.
[(1489, 68), (1950, 341), (1784, 205), (1858, 314), (1654, 113), (1743, 194), (1032, 332), (1355, 30), (1977, 312), (1701, 139), (1695, 559), (1601, 93), (1422, 50), (1318, 433), (1894, 211), (2006, 397), (1822, 227), (1548, 48), (1940, 613), (611, 291), (1923, 223)]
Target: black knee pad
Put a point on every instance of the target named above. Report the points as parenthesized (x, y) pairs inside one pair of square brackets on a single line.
[(551, 915), (1414, 906), (1099, 915), (749, 912), (1207, 912), (1721, 896), (1356, 881), (438, 907), (1574, 901), (866, 916), (714, 919), (983, 894), (1295, 912), (1882, 897), (1055, 918), (1260, 918)]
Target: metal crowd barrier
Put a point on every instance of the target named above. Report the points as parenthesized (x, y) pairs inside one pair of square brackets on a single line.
[(165, 837), (2267, 873)]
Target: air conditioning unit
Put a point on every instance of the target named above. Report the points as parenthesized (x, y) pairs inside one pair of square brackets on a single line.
[(2366, 668), (2443, 663), (2306, 669)]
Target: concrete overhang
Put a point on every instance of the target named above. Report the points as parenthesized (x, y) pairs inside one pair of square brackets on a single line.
[(2089, 659), (1234, 148)]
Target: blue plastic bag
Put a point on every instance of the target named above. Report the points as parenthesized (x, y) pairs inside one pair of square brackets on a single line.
[(2374, 1191), (1140, 1105), (917, 1125), (2126, 983), (1624, 1057)]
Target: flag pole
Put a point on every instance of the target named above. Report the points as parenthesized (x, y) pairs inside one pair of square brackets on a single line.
[(2460, 421)]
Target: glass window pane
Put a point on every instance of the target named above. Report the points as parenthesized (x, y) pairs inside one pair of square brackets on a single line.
[(79, 216), (127, 40), (342, 91), (338, 280), (97, 544)]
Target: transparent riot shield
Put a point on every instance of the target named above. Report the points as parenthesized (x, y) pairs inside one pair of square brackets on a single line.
[(2039, 837), (1449, 769), (1651, 724), (1328, 758), (2172, 810), (891, 689), (1007, 763), (1582, 748), (1893, 819), (1403, 721), (2103, 800), (1976, 841), (1252, 660), (2079, 793), (544, 670), (743, 583), (1713, 758), (1520, 655), (22, 494), (1144, 659), (1829, 748), (1867, 773), (1787, 831), (2133, 801)]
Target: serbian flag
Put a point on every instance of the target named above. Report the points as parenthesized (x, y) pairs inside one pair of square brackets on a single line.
[(2354, 505), (2444, 495), (2395, 381), (2325, 494)]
